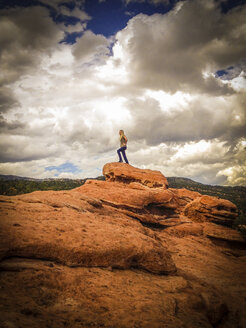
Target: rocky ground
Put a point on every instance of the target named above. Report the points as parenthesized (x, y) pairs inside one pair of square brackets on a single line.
[(121, 253)]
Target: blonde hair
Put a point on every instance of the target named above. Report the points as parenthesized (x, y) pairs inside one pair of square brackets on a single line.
[(121, 131)]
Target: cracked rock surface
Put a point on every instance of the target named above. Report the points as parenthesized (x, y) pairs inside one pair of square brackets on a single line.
[(125, 252)]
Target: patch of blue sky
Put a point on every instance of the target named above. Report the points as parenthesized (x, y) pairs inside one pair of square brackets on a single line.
[(66, 167), (18, 3), (110, 16), (221, 73), (115, 10), (227, 5), (71, 38)]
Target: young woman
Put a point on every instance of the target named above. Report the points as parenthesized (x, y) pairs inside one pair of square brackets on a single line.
[(122, 149)]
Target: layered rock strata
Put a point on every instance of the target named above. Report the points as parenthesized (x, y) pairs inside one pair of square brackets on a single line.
[(125, 252)]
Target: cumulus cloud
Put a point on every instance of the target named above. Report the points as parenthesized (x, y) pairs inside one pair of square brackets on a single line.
[(183, 49), (63, 103), (76, 28), (203, 117), (76, 12), (91, 46), (161, 126)]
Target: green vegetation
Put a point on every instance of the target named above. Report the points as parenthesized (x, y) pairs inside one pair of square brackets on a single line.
[(17, 186)]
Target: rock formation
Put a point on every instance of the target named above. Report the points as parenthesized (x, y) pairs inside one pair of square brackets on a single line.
[(128, 174), (211, 209), (125, 252)]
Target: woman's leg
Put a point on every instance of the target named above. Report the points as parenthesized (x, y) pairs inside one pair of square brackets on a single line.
[(119, 154), (124, 154)]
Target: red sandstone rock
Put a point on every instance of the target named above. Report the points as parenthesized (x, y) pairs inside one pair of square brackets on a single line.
[(224, 233), (211, 209), (116, 193), (77, 231), (95, 256), (151, 205), (186, 229), (125, 173), (120, 194), (185, 196), (207, 229)]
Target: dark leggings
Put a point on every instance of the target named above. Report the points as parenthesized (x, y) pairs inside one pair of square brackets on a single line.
[(122, 149)]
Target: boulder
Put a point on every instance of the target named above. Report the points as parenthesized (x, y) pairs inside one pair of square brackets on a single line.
[(126, 173), (211, 209)]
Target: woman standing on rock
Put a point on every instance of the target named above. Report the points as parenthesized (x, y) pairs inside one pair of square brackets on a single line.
[(122, 149)]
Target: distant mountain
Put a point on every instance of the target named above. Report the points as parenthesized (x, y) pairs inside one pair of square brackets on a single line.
[(16, 177), (182, 180), (179, 181)]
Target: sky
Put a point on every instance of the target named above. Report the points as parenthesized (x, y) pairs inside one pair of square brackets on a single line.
[(171, 74)]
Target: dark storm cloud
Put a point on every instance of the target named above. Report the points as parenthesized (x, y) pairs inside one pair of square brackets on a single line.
[(14, 149), (8, 155), (237, 126), (7, 99), (25, 34), (11, 126), (21, 141)]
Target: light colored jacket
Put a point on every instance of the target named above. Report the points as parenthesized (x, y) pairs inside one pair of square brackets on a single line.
[(123, 140)]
